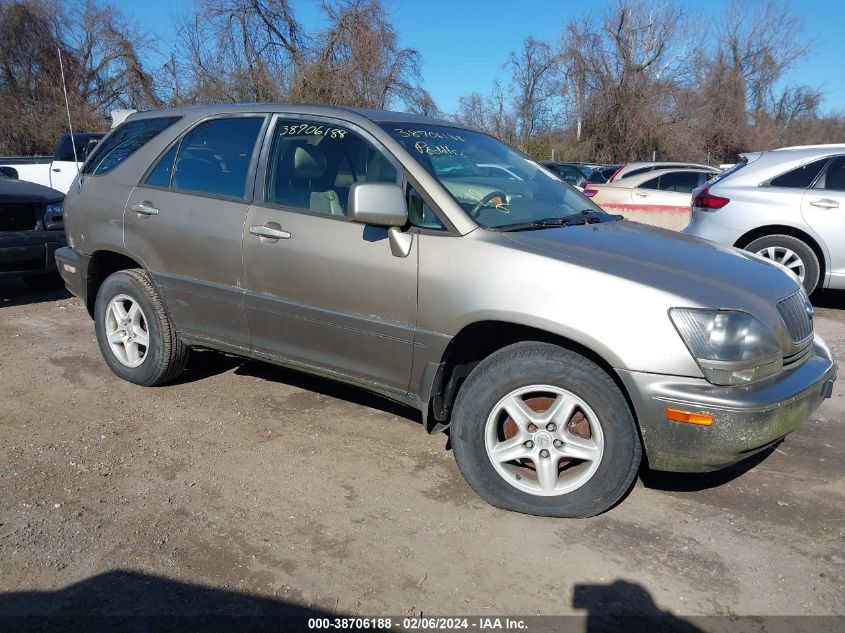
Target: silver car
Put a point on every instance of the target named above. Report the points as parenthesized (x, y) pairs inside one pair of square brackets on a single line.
[(557, 344), (787, 205)]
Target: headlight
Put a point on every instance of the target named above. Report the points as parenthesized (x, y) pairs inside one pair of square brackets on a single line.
[(730, 347), (53, 216)]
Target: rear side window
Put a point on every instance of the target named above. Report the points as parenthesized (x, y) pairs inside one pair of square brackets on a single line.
[(127, 139), (834, 177), (654, 183), (680, 181), (801, 177), (160, 175), (569, 174), (213, 158)]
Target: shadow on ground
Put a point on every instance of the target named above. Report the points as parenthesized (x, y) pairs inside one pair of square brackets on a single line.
[(834, 299), (129, 601), (14, 292), (204, 364), (695, 482), (624, 606)]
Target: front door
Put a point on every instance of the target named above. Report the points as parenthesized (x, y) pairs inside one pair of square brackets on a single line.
[(325, 293), (823, 208), (185, 220)]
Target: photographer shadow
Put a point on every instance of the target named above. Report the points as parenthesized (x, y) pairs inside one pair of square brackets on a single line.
[(120, 600), (625, 606)]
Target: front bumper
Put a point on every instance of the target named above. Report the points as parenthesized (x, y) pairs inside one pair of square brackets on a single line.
[(746, 419), (73, 267), (29, 252)]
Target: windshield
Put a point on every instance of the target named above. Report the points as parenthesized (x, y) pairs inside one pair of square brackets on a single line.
[(496, 185)]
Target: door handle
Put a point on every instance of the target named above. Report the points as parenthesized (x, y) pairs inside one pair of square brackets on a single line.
[(144, 209), (641, 194), (56, 169), (825, 203), (261, 230)]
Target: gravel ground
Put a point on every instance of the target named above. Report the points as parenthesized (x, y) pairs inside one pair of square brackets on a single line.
[(249, 485)]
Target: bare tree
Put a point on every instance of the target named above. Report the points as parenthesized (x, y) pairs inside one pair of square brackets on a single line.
[(357, 61), (536, 86)]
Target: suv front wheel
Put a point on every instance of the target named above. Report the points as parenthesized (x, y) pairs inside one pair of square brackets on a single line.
[(540, 429), (791, 253), (135, 334)]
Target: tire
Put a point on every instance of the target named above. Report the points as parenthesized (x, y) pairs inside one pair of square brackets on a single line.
[(47, 281), (796, 254), (514, 372), (164, 356)]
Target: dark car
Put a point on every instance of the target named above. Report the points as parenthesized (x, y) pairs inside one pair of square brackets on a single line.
[(31, 229), (571, 173)]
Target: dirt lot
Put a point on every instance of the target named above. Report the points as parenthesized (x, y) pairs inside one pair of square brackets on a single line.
[(247, 479)]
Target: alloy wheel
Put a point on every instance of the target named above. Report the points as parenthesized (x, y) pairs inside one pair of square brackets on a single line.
[(127, 330), (544, 440), (787, 258)]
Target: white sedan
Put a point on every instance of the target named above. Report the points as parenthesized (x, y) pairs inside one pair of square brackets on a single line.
[(660, 197)]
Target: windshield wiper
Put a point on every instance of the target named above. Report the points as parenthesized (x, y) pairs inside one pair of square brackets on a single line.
[(587, 216)]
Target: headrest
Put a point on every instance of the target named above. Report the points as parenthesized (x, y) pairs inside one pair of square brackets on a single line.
[(309, 163)]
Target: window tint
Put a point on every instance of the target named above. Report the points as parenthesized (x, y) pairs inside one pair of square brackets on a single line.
[(160, 175), (569, 174), (313, 165), (85, 144), (124, 141), (680, 181), (802, 177), (420, 214), (654, 183), (637, 172), (214, 157), (834, 177)]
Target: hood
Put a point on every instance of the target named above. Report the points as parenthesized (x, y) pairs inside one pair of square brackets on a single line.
[(701, 272), (21, 191)]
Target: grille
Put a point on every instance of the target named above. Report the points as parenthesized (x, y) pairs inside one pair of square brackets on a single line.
[(798, 318), (19, 217)]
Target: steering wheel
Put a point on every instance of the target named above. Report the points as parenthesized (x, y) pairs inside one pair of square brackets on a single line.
[(485, 202)]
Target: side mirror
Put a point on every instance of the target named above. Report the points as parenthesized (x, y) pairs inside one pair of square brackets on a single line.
[(10, 172), (377, 203)]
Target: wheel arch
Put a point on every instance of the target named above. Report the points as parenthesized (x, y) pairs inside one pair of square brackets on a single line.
[(785, 229), (478, 340), (102, 264)]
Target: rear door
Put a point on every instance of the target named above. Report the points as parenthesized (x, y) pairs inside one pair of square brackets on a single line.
[(185, 221), (823, 209), (671, 190)]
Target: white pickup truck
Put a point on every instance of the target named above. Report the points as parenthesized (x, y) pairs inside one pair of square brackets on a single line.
[(57, 171)]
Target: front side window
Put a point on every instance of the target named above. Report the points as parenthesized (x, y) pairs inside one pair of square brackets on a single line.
[(313, 165), (521, 192), (213, 158), (420, 214), (801, 177), (124, 141)]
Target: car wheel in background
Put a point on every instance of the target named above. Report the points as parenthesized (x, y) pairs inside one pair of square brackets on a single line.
[(542, 430), (792, 253), (135, 335)]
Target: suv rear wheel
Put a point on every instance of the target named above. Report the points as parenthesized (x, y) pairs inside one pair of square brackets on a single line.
[(542, 430), (135, 335), (792, 253)]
